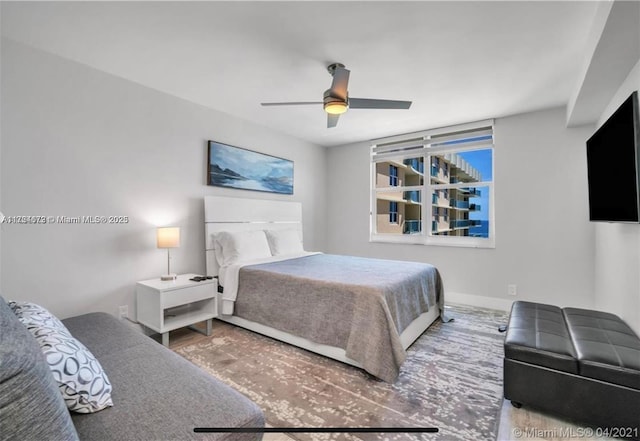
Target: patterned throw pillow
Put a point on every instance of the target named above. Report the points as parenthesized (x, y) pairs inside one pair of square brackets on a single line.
[(31, 313), (80, 377)]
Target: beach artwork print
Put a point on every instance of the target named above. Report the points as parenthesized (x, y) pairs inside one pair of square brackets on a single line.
[(235, 167)]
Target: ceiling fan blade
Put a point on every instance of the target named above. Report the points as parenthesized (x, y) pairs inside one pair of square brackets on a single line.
[(294, 103), (340, 82), (367, 103), (332, 120)]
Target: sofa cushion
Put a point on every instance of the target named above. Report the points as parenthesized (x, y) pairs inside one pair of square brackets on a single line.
[(606, 347), (157, 393), (31, 406), (83, 383), (537, 334)]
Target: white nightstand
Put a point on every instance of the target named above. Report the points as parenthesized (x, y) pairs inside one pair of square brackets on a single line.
[(167, 305)]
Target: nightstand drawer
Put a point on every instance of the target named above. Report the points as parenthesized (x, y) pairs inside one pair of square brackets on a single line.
[(188, 295)]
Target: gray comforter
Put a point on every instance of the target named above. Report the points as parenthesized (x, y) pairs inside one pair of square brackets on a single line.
[(358, 304)]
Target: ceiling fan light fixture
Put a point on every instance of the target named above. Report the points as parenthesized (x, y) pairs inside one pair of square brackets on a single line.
[(335, 107), (336, 99)]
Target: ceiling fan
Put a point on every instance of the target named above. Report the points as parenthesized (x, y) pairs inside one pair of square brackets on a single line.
[(336, 99)]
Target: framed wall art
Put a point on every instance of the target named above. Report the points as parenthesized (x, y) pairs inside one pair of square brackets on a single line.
[(235, 167)]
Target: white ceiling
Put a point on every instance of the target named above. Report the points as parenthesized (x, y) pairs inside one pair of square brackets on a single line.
[(457, 61)]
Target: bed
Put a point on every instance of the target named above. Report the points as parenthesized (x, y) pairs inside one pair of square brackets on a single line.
[(361, 311)]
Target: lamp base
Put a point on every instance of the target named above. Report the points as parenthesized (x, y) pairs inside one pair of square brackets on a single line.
[(169, 277)]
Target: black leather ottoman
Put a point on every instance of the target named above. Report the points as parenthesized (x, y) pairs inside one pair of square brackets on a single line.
[(581, 364)]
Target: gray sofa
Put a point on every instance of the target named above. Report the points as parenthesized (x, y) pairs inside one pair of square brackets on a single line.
[(157, 394)]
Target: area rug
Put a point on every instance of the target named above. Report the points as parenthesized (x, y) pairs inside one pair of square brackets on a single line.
[(452, 380)]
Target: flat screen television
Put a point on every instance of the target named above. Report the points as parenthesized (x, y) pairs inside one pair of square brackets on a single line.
[(612, 166)]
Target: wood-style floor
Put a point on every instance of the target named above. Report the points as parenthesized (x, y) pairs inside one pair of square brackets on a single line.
[(185, 337), (515, 424)]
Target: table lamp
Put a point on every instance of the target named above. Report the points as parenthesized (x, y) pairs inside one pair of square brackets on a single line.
[(168, 237)]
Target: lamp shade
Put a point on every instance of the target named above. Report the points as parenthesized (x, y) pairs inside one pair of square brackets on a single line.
[(168, 237)]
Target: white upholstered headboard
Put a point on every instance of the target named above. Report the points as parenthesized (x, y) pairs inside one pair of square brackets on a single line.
[(239, 214)]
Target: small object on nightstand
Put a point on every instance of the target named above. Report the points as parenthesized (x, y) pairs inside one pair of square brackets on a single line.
[(502, 328)]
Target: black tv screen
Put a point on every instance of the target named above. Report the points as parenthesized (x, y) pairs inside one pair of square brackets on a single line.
[(612, 165)]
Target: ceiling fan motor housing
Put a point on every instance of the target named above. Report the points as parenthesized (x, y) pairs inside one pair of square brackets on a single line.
[(332, 67), (333, 104)]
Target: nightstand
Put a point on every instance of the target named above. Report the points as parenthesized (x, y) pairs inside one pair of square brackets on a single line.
[(167, 305)]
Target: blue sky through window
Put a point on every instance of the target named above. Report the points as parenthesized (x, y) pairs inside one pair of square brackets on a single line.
[(481, 160)]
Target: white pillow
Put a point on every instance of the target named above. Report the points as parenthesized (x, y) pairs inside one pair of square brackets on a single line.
[(81, 379), (284, 242), (242, 246), (217, 249), (31, 313)]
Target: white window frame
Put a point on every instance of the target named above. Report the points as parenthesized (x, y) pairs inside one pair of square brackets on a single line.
[(418, 144)]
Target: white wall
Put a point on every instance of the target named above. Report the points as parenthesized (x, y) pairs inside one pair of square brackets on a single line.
[(544, 240), (617, 281), (80, 142)]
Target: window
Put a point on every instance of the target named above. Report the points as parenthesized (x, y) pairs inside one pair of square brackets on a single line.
[(435, 166), (452, 204), (393, 176), (393, 212)]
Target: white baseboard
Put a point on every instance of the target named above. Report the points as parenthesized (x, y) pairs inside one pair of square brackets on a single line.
[(479, 301)]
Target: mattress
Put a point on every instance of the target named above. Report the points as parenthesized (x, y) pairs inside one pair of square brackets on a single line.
[(361, 305)]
